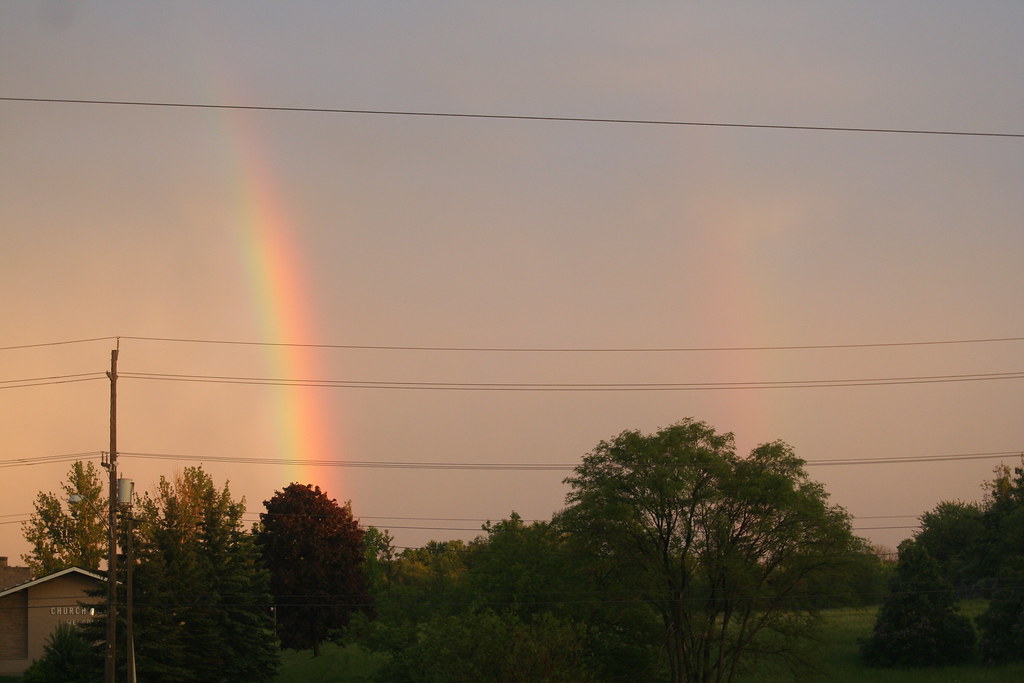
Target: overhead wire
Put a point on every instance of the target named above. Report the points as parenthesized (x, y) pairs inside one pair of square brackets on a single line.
[(510, 117), (61, 379), (527, 349), (481, 466), (375, 464), (379, 464), (596, 387), (52, 379), (45, 459), (55, 343)]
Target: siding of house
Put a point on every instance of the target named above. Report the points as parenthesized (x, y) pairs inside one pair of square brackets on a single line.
[(13, 627), (28, 615)]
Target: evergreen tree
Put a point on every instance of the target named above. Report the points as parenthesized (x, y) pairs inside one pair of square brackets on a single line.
[(1002, 624), (201, 595), (919, 623)]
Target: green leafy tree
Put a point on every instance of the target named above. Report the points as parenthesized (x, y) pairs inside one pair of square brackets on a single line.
[(719, 546), (516, 580), (521, 567), (955, 534), (380, 557), (315, 551), (859, 577), (202, 601), (483, 645), (64, 534), (421, 585), (535, 571), (919, 623)]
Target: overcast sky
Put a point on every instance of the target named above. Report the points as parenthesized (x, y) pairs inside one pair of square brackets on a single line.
[(591, 252)]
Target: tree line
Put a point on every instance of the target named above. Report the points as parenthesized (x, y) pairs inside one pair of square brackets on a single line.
[(674, 558), (962, 550)]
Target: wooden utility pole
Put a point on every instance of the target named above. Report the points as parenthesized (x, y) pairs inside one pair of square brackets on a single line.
[(111, 661)]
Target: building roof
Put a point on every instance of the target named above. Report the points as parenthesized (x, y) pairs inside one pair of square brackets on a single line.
[(50, 577)]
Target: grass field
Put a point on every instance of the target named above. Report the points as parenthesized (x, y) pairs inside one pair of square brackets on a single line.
[(838, 660), (335, 663)]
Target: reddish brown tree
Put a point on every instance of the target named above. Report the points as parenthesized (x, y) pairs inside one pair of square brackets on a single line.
[(314, 550)]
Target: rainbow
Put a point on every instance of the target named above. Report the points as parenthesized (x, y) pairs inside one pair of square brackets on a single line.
[(274, 266)]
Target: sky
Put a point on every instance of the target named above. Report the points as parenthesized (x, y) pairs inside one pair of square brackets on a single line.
[(298, 282)]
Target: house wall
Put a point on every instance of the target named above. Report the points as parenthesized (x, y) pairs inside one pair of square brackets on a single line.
[(41, 609), (13, 628)]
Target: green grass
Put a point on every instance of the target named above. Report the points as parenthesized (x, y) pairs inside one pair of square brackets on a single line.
[(838, 657), (335, 663)]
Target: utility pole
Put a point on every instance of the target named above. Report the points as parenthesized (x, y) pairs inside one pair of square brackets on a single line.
[(111, 464)]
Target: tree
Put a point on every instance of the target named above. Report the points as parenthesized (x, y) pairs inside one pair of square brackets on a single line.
[(719, 546), (66, 534), (1003, 518), (1002, 624), (66, 658), (954, 533), (315, 551), (533, 572), (520, 567), (859, 578), (379, 558), (919, 623), (202, 600), (482, 645)]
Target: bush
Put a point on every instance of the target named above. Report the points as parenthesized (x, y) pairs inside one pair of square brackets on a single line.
[(67, 658)]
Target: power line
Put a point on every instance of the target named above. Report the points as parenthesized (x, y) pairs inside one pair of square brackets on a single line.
[(479, 529), (53, 379), (596, 387), (481, 466), (378, 517), (512, 117), (45, 459), (515, 349), (523, 349), (56, 343), (378, 464), (916, 459), (478, 466), (256, 515)]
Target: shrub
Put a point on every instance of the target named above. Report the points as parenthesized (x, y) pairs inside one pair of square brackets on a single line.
[(67, 658)]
